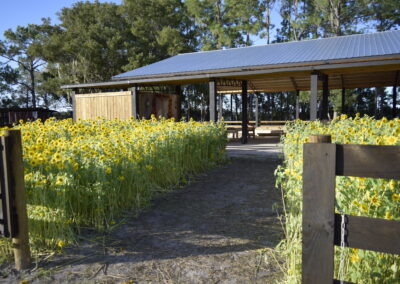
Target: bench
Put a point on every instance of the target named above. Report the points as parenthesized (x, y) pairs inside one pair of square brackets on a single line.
[(234, 127)]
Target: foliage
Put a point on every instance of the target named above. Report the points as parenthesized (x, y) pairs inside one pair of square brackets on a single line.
[(160, 28), (87, 174), (91, 44), (24, 48), (357, 196)]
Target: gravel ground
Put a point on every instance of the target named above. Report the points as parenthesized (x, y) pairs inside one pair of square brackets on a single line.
[(215, 230)]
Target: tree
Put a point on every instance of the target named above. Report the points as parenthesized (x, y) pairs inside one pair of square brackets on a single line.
[(385, 14), (159, 29), (8, 77), (213, 27), (91, 43), (23, 48), (340, 17), (244, 17), (267, 26)]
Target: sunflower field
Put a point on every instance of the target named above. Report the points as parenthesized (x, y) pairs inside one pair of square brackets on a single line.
[(368, 197), (87, 173)]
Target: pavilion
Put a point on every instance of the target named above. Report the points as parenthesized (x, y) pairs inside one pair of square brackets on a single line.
[(355, 61)]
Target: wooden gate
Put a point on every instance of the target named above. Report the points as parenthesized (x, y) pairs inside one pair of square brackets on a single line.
[(324, 161)]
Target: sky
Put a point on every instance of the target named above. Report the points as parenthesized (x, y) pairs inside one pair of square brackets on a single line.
[(15, 13)]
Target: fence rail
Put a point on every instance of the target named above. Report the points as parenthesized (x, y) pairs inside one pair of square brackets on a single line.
[(323, 161)]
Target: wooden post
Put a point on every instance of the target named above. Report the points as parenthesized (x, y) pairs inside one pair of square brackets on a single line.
[(325, 96), (231, 106), (257, 103), (15, 175), (394, 110), (313, 96), (178, 91), (297, 104), (244, 112), (135, 102), (73, 105), (318, 210), (220, 107), (212, 100)]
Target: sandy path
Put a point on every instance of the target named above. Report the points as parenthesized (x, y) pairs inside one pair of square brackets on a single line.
[(210, 231)]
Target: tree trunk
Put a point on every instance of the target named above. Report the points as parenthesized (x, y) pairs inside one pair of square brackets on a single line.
[(33, 93), (268, 22)]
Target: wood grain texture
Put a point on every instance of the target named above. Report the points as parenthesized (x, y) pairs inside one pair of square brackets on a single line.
[(245, 132), (20, 242), (106, 105), (370, 233), (320, 138), (318, 212), (368, 161), (313, 96)]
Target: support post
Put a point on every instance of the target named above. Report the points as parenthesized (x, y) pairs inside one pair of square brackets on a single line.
[(73, 105), (297, 104), (178, 91), (394, 111), (220, 107), (135, 102), (313, 96), (257, 103), (231, 106), (14, 168), (318, 210), (212, 100), (325, 96), (244, 112)]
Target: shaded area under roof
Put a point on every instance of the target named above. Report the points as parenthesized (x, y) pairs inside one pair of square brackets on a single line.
[(361, 46)]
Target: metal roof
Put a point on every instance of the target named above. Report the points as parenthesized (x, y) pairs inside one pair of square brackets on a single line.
[(358, 46)]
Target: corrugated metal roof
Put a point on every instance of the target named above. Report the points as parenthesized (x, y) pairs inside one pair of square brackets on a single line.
[(336, 48)]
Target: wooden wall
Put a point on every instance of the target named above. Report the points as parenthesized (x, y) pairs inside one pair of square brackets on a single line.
[(106, 105), (119, 105)]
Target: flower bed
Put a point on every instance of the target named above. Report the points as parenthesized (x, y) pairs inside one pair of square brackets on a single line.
[(87, 174), (378, 198)]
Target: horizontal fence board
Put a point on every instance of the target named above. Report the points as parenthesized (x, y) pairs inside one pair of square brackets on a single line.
[(370, 233), (96, 95), (335, 281), (371, 161)]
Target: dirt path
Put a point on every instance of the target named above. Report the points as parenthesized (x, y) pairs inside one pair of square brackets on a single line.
[(208, 232)]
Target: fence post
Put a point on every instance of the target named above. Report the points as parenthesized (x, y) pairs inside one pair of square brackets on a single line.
[(15, 172), (319, 162)]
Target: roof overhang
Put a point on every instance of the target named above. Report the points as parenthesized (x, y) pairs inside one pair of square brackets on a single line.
[(357, 72)]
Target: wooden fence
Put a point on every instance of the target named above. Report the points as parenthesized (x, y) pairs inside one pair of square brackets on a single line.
[(119, 105), (323, 161), (107, 105)]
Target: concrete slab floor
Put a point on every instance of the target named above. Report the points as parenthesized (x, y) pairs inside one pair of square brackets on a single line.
[(266, 147)]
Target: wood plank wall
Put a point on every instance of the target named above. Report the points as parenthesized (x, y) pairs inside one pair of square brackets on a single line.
[(107, 105)]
